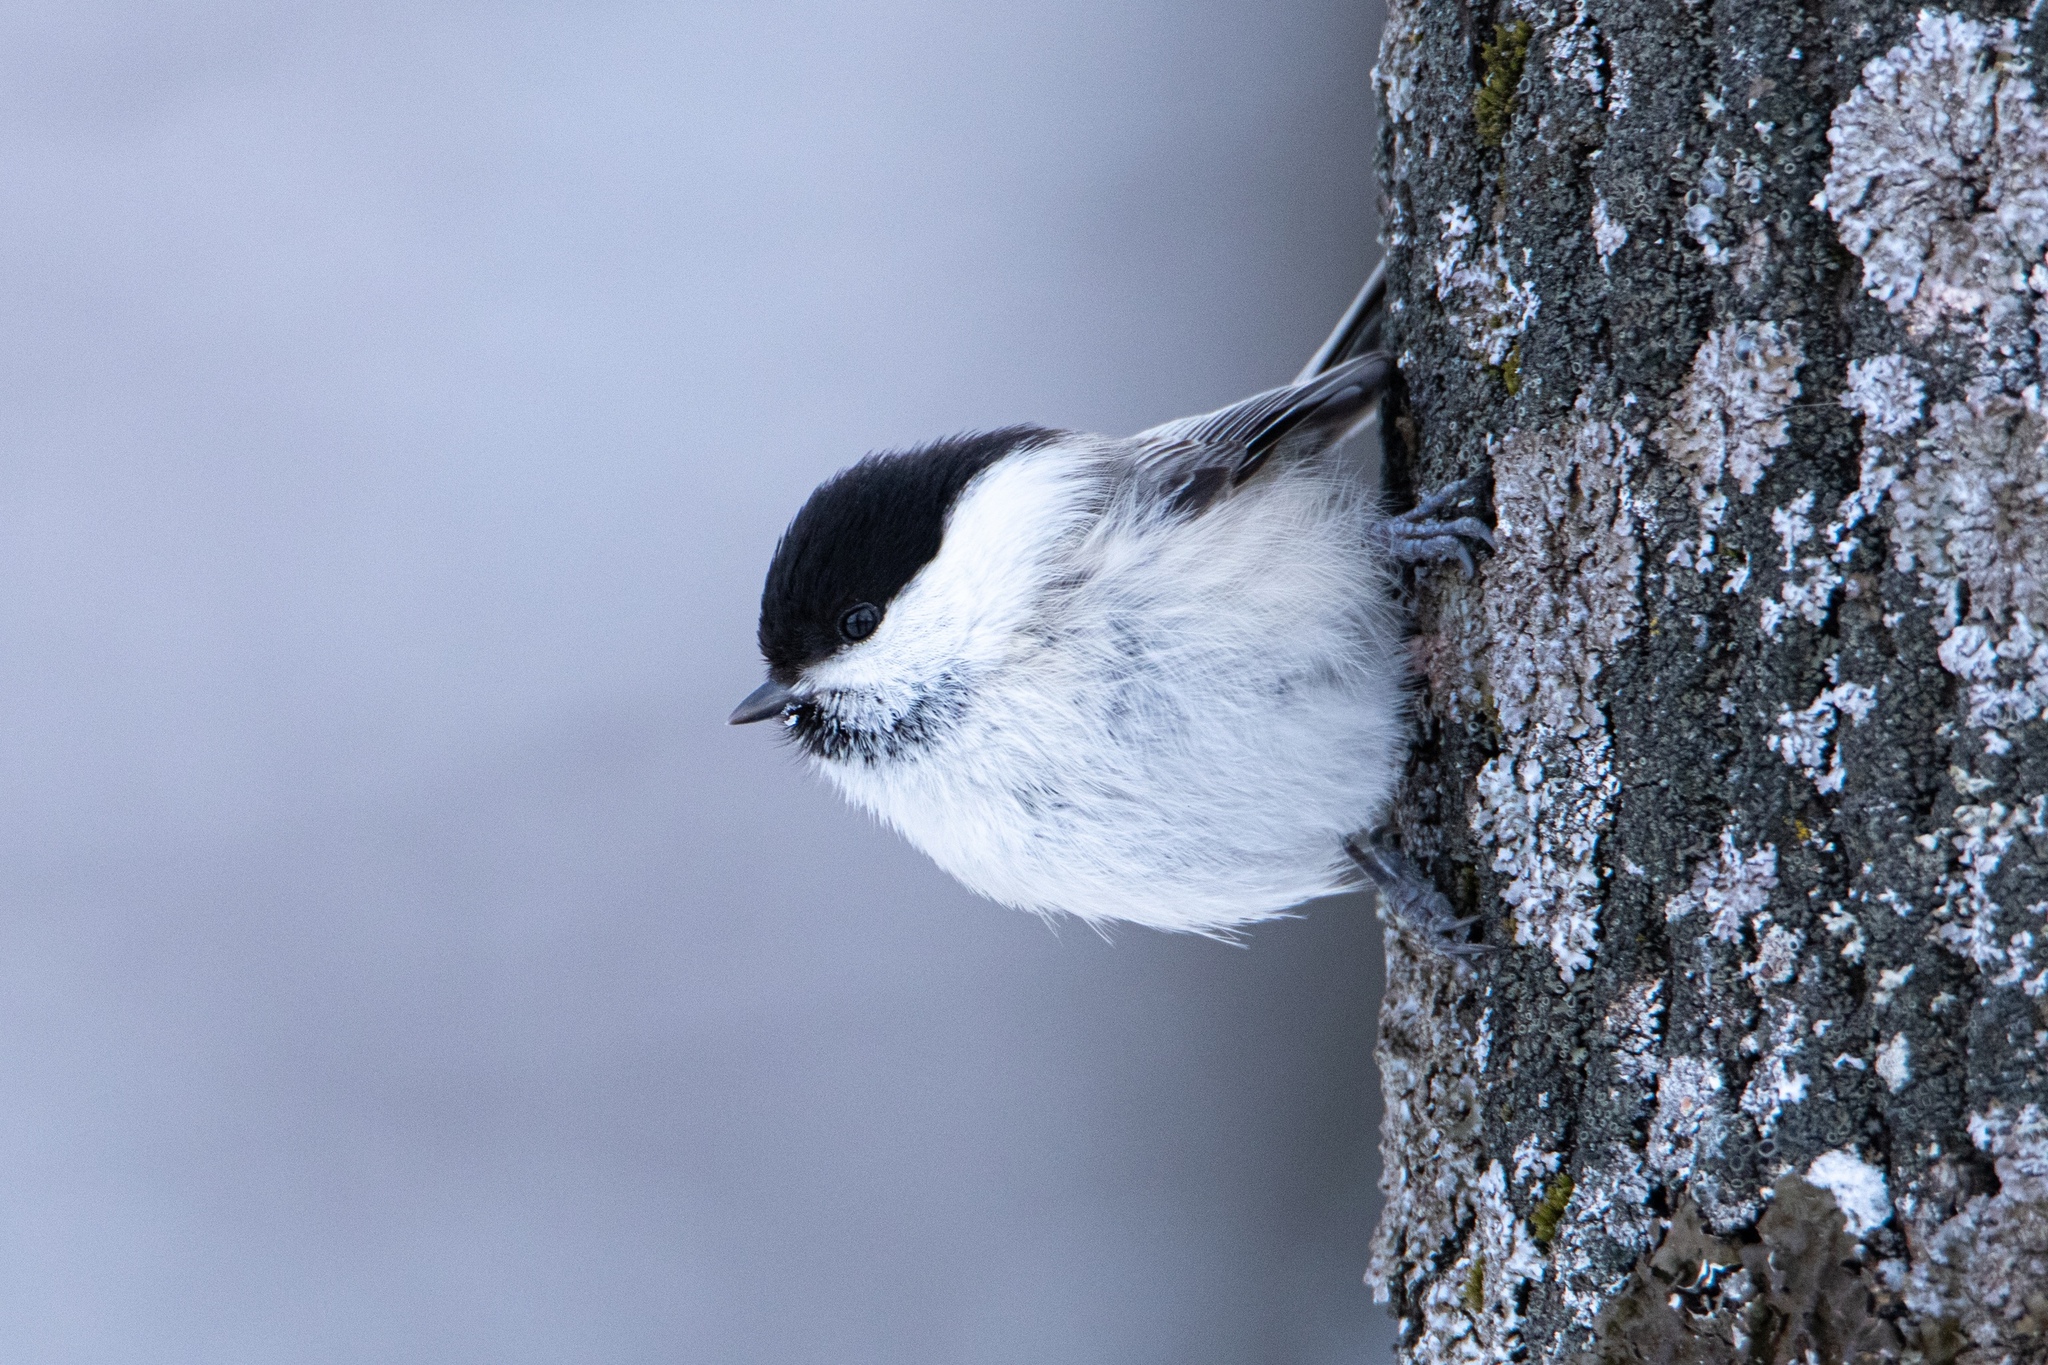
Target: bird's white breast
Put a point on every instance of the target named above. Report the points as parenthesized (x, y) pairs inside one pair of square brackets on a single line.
[(1169, 721)]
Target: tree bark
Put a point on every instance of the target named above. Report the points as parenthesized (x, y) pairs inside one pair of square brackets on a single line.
[(1738, 744)]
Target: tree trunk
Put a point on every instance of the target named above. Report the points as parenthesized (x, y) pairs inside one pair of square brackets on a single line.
[(1737, 744)]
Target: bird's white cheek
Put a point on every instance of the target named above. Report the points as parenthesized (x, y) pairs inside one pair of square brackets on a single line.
[(902, 654), (963, 611)]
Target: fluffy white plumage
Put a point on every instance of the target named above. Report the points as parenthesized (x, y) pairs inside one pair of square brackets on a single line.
[(1158, 679), (1167, 719)]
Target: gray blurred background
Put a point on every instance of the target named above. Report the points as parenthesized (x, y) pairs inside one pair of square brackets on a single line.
[(399, 958)]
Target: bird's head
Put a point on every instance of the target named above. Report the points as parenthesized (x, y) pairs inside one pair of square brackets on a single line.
[(894, 583)]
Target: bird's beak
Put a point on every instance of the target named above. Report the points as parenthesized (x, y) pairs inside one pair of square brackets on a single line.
[(769, 699)]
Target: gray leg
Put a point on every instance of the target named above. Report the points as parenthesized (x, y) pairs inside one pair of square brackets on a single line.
[(1414, 903), (1419, 537)]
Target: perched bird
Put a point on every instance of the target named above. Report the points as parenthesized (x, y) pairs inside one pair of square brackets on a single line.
[(1158, 678)]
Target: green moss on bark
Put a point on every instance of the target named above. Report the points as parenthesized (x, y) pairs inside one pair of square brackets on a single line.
[(1502, 60)]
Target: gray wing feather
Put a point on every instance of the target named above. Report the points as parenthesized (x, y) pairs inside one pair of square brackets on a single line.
[(1191, 462), (1195, 460), (1324, 407)]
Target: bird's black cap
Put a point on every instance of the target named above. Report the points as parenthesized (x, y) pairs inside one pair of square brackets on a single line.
[(862, 535)]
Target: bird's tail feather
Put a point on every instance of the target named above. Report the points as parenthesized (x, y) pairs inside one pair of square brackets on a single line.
[(1357, 332)]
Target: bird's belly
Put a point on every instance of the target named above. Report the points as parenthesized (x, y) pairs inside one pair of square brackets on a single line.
[(1192, 737), (1132, 807)]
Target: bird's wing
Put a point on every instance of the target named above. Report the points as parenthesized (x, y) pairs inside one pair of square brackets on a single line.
[(1194, 460)]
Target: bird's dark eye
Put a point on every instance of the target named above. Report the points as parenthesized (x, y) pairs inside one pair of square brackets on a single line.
[(858, 622)]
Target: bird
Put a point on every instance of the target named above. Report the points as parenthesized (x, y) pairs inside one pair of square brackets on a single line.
[(1159, 679)]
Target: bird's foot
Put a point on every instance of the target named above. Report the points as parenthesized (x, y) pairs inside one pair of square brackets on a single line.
[(1420, 537), (1415, 904)]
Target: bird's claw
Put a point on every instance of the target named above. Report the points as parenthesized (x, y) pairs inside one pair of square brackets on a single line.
[(1418, 537), (1415, 904)]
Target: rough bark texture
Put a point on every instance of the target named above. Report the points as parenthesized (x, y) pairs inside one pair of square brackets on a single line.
[(1739, 741)]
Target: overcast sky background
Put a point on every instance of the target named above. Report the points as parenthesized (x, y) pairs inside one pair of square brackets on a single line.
[(400, 960)]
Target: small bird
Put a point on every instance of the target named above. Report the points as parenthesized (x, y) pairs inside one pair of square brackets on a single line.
[(1158, 679)]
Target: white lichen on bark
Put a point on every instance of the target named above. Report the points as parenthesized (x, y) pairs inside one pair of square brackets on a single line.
[(1608, 1214), (1429, 1068), (1636, 1022), (1939, 185), (1446, 1218), (1728, 185), (1971, 520), (1729, 421), (1886, 393), (1397, 80), (1783, 1041), (1807, 739), (1477, 287), (1858, 1187), (1731, 888), (1985, 1267), (1609, 236), (1545, 800), (1938, 182), (1575, 50), (1688, 1127), (1968, 918), (1895, 1063)]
